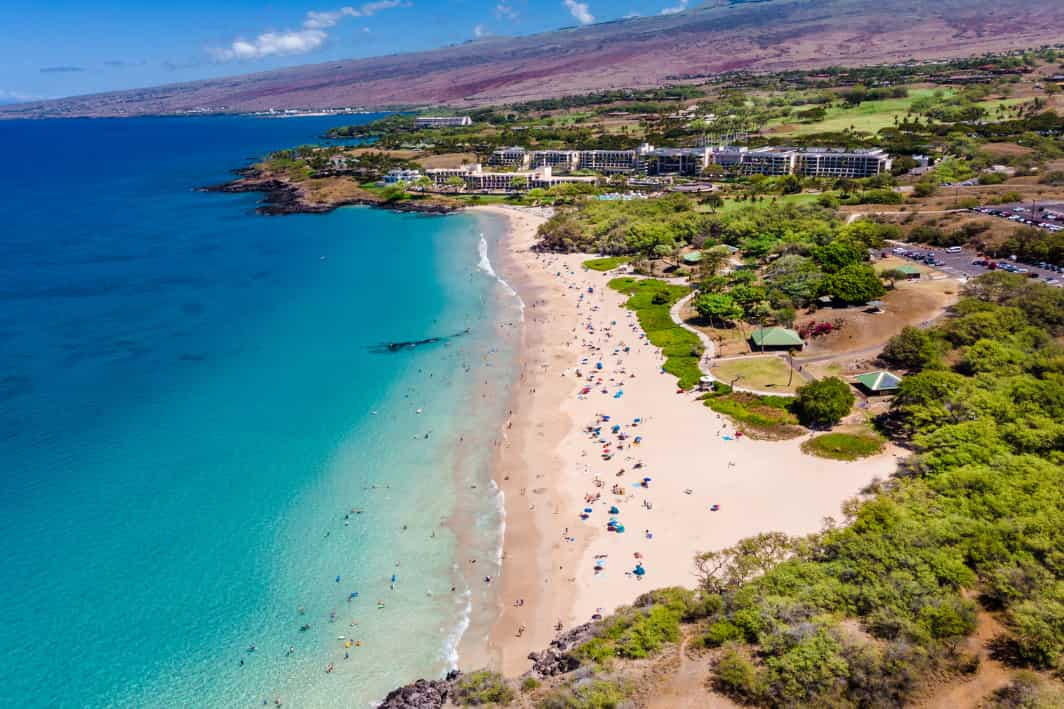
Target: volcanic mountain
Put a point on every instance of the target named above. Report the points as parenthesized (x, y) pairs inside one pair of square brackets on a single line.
[(718, 36)]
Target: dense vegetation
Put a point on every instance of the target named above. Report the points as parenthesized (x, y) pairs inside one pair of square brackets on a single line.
[(980, 509)]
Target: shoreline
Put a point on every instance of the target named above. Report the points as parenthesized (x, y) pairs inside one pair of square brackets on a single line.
[(526, 465), (548, 466)]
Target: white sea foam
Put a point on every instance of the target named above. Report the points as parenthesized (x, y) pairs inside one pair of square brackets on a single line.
[(500, 501), (484, 264), (450, 645)]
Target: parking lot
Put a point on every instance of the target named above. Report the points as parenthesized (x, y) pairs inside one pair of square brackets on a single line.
[(962, 263), (1042, 215)]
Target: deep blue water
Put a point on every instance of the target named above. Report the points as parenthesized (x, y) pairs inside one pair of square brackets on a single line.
[(189, 408)]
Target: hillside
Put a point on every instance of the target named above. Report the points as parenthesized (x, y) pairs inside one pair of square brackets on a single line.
[(717, 36)]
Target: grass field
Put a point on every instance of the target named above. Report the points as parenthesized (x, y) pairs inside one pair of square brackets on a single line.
[(869, 116), (844, 446), (731, 205), (606, 264), (762, 373), (764, 417)]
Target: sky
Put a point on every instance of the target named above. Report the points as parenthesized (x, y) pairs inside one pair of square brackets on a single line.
[(56, 48)]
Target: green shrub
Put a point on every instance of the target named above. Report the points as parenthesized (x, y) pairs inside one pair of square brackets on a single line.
[(722, 632), (736, 676), (483, 687), (529, 684), (597, 694)]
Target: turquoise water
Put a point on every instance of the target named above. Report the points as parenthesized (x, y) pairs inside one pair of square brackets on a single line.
[(190, 405)]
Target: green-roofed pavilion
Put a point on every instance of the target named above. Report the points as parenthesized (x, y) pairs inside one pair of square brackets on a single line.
[(776, 337), (909, 270), (693, 257), (879, 382)]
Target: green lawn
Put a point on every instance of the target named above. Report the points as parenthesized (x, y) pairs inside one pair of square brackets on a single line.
[(844, 446), (762, 373), (730, 205), (871, 116), (651, 300), (766, 417), (606, 264)]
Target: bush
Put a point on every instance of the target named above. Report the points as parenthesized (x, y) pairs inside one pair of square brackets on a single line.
[(823, 403), (912, 349), (736, 676), (722, 632), (483, 687), (1026, 691), (529, 684), (597, 694)]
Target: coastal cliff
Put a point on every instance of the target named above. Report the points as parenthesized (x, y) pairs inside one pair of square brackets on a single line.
[(319, 195)]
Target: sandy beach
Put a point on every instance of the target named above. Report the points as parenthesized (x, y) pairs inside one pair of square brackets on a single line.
[(552, 466)]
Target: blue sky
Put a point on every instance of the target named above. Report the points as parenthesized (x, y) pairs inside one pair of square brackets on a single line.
[(53, 48)]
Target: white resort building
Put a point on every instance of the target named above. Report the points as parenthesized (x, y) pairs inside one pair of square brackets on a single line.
[(442, 122), (649, 160), (477, 180)]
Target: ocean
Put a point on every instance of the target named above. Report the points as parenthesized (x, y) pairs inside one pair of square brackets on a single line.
[(213, 483)]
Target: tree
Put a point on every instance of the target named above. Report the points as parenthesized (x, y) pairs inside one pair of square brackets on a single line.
[(728, 568), (823, 403), (912, 349), (519, 183), (455, 182), (854, 284), (713, 258), (837, 255), (795, 276), (893, 275), (718, 307)]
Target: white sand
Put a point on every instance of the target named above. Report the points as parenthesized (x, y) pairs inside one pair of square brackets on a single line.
[(760, 486)]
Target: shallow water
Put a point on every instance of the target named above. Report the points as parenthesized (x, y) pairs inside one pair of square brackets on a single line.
[(190, 405)]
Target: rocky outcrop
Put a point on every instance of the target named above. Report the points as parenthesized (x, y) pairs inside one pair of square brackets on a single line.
[(284, 197), (423, 694), (556, 659)]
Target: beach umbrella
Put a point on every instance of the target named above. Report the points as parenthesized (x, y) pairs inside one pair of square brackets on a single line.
[(588, 510), (614, 511), (638, 439), (639, 570)]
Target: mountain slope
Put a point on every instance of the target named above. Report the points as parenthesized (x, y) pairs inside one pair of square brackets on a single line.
[(717, 36)]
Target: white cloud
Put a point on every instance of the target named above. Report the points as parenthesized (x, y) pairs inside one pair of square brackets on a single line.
[(479, 31), (580, 11), (505, 11), (673, 10), (311, 36)]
